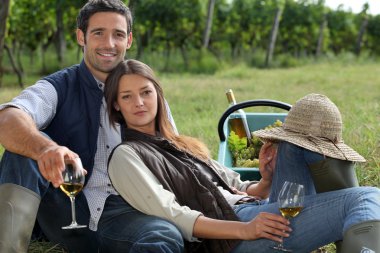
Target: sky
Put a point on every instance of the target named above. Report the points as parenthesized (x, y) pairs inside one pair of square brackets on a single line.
[(355, 5)]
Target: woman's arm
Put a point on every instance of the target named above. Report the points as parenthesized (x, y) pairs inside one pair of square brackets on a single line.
[(137, 185), (265, 225)]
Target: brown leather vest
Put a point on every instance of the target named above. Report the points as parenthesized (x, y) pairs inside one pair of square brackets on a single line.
[(185, 176)]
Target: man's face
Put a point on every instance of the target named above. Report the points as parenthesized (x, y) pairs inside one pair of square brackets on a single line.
[(105, 43)]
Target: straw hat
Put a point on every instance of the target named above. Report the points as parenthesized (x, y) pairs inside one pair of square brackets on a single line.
[(313, 123)]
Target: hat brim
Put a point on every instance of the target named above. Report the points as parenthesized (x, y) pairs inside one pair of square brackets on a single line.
[(335, 150)]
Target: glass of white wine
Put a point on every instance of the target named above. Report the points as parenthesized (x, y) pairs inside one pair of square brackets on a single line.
[(73, 180), (290, 201)]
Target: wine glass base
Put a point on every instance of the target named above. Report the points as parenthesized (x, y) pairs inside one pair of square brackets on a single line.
[(74, 226), (280, 249)]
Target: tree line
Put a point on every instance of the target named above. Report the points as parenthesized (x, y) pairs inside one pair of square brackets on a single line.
[(222, 28)]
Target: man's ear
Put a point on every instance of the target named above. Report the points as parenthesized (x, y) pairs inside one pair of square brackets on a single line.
[(130, 39), (80, 37)]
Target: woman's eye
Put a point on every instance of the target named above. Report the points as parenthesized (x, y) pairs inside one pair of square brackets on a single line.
[(147, 92)]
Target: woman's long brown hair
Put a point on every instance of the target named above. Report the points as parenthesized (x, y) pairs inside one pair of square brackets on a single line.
[(129, 67)]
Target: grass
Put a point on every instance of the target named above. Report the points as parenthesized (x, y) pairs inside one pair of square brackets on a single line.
[(197, 101)]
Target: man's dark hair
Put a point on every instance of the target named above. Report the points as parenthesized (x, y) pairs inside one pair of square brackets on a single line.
[(95, 6)]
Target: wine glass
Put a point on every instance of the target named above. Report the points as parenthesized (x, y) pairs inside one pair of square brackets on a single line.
[(290, 201), (73, 180)]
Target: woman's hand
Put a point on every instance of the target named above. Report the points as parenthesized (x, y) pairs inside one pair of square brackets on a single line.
[(267, 225)]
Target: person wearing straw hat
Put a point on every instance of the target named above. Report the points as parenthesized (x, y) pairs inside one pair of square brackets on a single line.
[(311, 151), (172, 176)]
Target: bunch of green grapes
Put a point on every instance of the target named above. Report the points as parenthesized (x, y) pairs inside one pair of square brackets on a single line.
[(256, 144), (248, 157), (277, 123), (248, 163), (247, 153)]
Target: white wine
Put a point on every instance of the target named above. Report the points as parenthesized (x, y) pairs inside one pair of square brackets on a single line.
[(238, 120), (290, 212), (70, 189)]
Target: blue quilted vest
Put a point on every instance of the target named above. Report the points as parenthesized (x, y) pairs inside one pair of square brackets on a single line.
[(77, 119)]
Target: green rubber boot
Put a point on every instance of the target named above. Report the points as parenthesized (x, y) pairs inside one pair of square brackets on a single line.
[(18, 211), (333, 174), (362, 238)]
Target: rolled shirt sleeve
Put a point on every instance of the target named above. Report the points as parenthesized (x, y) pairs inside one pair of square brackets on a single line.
[(39, 101), (141, 189)]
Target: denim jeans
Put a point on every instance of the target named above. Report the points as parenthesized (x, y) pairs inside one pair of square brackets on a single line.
[(120, 229), (125, 229), (325, 217)]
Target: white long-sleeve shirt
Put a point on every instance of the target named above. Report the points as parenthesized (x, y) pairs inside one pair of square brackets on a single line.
[(140, 188)]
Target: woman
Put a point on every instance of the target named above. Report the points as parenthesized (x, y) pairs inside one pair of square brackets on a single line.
[(172, 176)]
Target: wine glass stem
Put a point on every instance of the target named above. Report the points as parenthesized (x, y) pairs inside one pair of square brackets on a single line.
[(281, 245), (74, 221)]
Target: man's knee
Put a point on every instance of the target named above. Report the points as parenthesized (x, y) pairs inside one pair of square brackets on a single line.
[(20, 170)]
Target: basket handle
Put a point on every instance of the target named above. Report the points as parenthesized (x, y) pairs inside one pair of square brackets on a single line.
[(245, 104)]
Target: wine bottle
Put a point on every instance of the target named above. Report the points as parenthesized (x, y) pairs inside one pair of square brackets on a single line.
[(238, 120)]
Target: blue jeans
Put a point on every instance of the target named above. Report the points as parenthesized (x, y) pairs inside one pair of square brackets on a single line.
[(120, 229), (325, 217)]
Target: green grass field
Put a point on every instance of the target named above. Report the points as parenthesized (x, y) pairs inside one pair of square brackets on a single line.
[(198, 101)]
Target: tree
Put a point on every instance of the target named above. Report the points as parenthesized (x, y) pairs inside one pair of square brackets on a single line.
[(4, 11), (207, 32), (15, 68), (362, 30), (321, 36), (28, 28), (373, 35), (343, 31), (168, 25), (322, 28), (273, 36), (60, 32)]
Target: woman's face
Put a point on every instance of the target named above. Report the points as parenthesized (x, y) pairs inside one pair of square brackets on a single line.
[(137, 102)]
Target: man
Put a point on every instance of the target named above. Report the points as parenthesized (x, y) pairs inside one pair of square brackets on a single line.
[(64, 116)]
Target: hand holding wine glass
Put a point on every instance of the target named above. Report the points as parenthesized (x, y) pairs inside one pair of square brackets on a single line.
[(73, 181), (290, 201)]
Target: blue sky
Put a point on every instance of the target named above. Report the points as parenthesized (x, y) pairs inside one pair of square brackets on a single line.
[(355, 5)]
